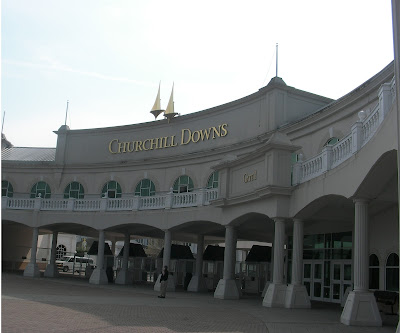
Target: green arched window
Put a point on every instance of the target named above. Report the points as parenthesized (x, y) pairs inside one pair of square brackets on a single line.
[(183, 184), (74, 190), (41, 189), (392, 272), (213, 180), (6, 189), (145, 188), (112, 190), (331, 141)]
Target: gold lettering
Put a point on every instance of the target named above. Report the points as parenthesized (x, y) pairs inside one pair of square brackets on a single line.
[(152, 143), (144, 143), (166, 142), (205, 133), (127, 147), (122, 146), (223, 128), (198, 136), (110, 146), (183, 136), (215, 131), (138, 145), (173, 144)]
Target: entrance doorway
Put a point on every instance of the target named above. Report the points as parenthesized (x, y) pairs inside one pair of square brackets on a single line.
[(327, 280)]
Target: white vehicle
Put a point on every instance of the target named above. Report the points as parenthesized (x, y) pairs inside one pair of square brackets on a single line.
[(71, 263)]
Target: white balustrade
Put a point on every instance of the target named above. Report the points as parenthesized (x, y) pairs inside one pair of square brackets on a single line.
[(187, 199), (341, 151), (20, 203), (361, 132), (177, 200), (120, 204), (152, 202), (87, 205)]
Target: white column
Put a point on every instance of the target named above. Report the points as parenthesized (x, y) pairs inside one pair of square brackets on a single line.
[(166, 262), (32, 269), (227, 287), (123, 275), (99, 275), (276, 292), (296, 293), (51, 269), (360, 308), (197, 282)]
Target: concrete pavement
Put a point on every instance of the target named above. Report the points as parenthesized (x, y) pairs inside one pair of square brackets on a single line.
[(73, 305)]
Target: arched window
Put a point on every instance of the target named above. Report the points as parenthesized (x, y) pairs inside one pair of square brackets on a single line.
[(6, 189), (392, 272), (183, 184), (145, 188), (213, 180), (61, 251), (74, 190), (373, 272), (331, 141), (112, 190), (41, 189)]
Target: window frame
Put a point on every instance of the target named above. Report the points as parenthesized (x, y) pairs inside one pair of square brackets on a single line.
[(9, 189), (35, 192)]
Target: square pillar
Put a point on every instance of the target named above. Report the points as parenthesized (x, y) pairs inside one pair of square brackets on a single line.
[(166, 261), (123, 275), (360, 308), (99, 275), (32, 269), (296, 294), (275, 295), (51, 269), (227, 287), (197, 282)]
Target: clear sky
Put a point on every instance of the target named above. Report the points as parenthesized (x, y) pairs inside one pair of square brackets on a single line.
[(108, 57)]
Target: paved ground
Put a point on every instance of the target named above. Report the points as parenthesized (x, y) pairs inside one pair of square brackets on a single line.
[(73, 305)]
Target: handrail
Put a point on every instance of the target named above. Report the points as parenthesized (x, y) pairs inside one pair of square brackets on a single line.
[(361, 132), (199, 197)]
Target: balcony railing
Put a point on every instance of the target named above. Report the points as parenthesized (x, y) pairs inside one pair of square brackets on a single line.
[(200, 197), (361, 132)]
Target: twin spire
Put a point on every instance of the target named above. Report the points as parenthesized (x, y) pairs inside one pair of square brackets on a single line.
[(169, 112)]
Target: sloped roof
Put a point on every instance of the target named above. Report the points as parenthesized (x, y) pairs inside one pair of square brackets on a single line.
[(178, 252), (135, 250), (95, 248), (28, 154), (214, 253), (259, 253)]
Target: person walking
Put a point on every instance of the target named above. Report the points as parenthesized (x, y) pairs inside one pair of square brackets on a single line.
[(164, 282)]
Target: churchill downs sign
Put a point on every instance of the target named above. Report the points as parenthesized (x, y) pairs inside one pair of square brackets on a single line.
[(186, 136)]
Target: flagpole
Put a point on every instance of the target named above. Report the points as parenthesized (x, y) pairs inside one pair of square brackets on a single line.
[(2, 125), (66, 113)]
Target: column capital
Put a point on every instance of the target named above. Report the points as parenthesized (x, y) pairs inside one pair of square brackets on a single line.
[(361, 200), (279, 219)]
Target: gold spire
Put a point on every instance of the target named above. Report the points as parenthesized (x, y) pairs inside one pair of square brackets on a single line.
[(169, 112), (156, 110)]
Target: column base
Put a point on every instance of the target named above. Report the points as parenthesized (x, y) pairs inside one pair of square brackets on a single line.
[(51, 271), (197, 284), (361, 310), (124, 277), (297, 297), (170, 283), (98, 276), (32, 270), (275, 296), (265, 289), (227, 289)]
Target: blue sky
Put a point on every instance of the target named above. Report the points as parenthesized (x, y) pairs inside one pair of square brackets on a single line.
[(108, 57)]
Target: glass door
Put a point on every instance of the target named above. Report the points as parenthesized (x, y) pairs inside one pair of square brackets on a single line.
[(341, 279), (317, 275), (307, 267)]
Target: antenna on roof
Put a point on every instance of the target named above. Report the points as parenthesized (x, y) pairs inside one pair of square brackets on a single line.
[(2, 125), (66, 113), (276, 60)]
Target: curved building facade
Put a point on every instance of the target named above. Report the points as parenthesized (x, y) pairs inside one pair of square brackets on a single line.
[(315, 177)]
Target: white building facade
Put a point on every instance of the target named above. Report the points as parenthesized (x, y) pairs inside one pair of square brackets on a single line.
[(315, 177)]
